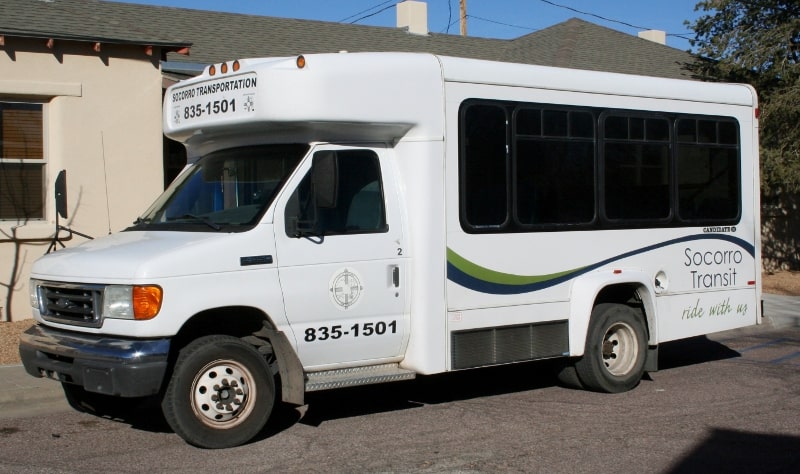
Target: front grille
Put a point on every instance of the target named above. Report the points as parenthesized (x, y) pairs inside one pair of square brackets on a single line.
[(71, 303)]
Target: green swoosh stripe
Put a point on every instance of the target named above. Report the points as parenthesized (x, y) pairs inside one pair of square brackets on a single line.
[(492, 276)]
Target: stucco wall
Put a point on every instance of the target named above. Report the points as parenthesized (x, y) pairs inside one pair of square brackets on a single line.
[(102, 123)]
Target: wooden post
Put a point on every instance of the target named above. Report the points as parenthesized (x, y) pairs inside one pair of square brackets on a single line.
[(463, 14)]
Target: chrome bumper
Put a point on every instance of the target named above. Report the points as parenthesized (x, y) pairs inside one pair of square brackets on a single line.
[(98, 363)]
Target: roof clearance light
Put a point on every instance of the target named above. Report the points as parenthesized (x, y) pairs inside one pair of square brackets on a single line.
[(212, 70), (301, 62), (236, 65), (224, 68)]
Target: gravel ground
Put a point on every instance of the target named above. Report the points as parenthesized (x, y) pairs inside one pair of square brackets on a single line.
[(779, 283)]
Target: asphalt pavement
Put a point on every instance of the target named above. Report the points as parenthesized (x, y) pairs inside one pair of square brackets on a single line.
[(23, 395)]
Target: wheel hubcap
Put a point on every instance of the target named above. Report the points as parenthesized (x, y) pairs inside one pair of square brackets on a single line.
[(620, 349), (222, 394)]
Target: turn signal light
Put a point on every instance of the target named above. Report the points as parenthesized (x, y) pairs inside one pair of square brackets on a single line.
[(146, 301)]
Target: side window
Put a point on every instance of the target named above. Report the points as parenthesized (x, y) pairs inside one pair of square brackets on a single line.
[(636, 159), (22, 162), (530, 167), (553, 167), (484, 166), (708, 169), (358, 206)]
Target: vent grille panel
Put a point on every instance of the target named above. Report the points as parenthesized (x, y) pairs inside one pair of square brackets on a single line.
[(502, 345)]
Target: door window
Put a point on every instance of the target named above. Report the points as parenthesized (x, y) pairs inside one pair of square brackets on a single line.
[(357, 206)]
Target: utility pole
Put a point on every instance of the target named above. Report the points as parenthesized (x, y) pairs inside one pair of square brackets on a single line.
[(463, 13)]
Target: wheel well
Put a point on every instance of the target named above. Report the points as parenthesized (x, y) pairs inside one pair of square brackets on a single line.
[(251, 323), (237, 321), (627, 294)]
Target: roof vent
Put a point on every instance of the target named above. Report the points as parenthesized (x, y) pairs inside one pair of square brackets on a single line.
[(413, 16), (656, 36)]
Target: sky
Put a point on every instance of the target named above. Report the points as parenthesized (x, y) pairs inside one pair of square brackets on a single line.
[(502, 19)]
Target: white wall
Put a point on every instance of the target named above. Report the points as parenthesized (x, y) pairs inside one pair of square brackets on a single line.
[(102, 123)]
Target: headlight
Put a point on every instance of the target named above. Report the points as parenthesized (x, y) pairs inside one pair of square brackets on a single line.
[(132, 302), (33, 288)]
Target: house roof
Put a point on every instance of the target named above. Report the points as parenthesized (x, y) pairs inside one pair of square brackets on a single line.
[(78, 20), (218, 36)]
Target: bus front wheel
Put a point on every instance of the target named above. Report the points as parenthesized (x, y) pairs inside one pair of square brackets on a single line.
[(221, 393), (616, 345)]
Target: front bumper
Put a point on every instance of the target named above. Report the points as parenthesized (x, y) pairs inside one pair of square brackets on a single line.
[(98, 363)]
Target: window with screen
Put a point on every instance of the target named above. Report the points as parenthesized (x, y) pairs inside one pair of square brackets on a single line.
[(22, 163)]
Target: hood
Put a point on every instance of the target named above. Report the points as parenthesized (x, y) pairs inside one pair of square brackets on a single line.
[(139, 256)]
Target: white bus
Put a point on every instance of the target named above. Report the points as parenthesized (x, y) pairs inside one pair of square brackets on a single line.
[(359, 218)]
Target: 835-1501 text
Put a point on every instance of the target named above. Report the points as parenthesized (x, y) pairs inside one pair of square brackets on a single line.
[(324, 333), (209, 108)]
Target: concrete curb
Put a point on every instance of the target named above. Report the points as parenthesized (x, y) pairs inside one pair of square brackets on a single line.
[(782, 311), (24, 395)]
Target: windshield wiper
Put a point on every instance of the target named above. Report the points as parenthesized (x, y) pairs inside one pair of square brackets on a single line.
[(142, 220), (199, 219)]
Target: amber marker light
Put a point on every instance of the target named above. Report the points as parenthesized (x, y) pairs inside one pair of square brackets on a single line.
[(146, 301), (224, 68), (212, 70), (236, 65), (301, 62)]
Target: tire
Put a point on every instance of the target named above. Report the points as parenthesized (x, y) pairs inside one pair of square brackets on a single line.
[(97, 403), (616, 346), (221, 393)]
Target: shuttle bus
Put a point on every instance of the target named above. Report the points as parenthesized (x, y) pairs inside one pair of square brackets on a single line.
[(359, 218)]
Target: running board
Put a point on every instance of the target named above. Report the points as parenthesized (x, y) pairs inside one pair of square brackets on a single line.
[(351, 377)]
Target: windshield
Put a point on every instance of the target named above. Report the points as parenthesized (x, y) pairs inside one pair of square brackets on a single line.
[(226, 190)]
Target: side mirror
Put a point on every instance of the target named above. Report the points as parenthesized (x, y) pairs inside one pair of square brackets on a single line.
[(61, 193), (325, 179)]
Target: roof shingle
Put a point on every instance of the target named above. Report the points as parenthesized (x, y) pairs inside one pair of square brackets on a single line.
[(219, 36)]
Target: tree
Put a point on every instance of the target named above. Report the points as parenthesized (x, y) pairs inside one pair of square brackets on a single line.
[(758, 42)]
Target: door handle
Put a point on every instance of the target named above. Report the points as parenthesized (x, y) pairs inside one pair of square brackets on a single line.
[(396, 276)]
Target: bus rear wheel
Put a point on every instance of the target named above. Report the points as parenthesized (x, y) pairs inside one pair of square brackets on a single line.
[(616, 345), (221, 393)]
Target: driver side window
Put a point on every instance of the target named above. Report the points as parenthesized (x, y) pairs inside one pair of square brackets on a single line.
[(359, 204)]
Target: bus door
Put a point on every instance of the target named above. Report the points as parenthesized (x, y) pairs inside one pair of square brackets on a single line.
[(340, 254)]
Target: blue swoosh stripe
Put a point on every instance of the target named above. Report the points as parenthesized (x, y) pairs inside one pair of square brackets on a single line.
[(470, 282)]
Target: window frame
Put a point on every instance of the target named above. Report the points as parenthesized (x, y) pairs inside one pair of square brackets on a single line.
[(299, 208), (23, 163), (601, 220), (603, 165)]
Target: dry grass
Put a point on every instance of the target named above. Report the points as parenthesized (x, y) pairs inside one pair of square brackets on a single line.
[(781, 283), (9, 340), (778, 283)]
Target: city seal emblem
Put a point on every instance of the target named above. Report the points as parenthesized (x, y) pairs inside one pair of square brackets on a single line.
[(345, 289)]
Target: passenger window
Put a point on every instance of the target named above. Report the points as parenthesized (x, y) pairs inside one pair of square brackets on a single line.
[(636, 155), (708, 170), (553, 167), (359, 203), (484, 167)]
